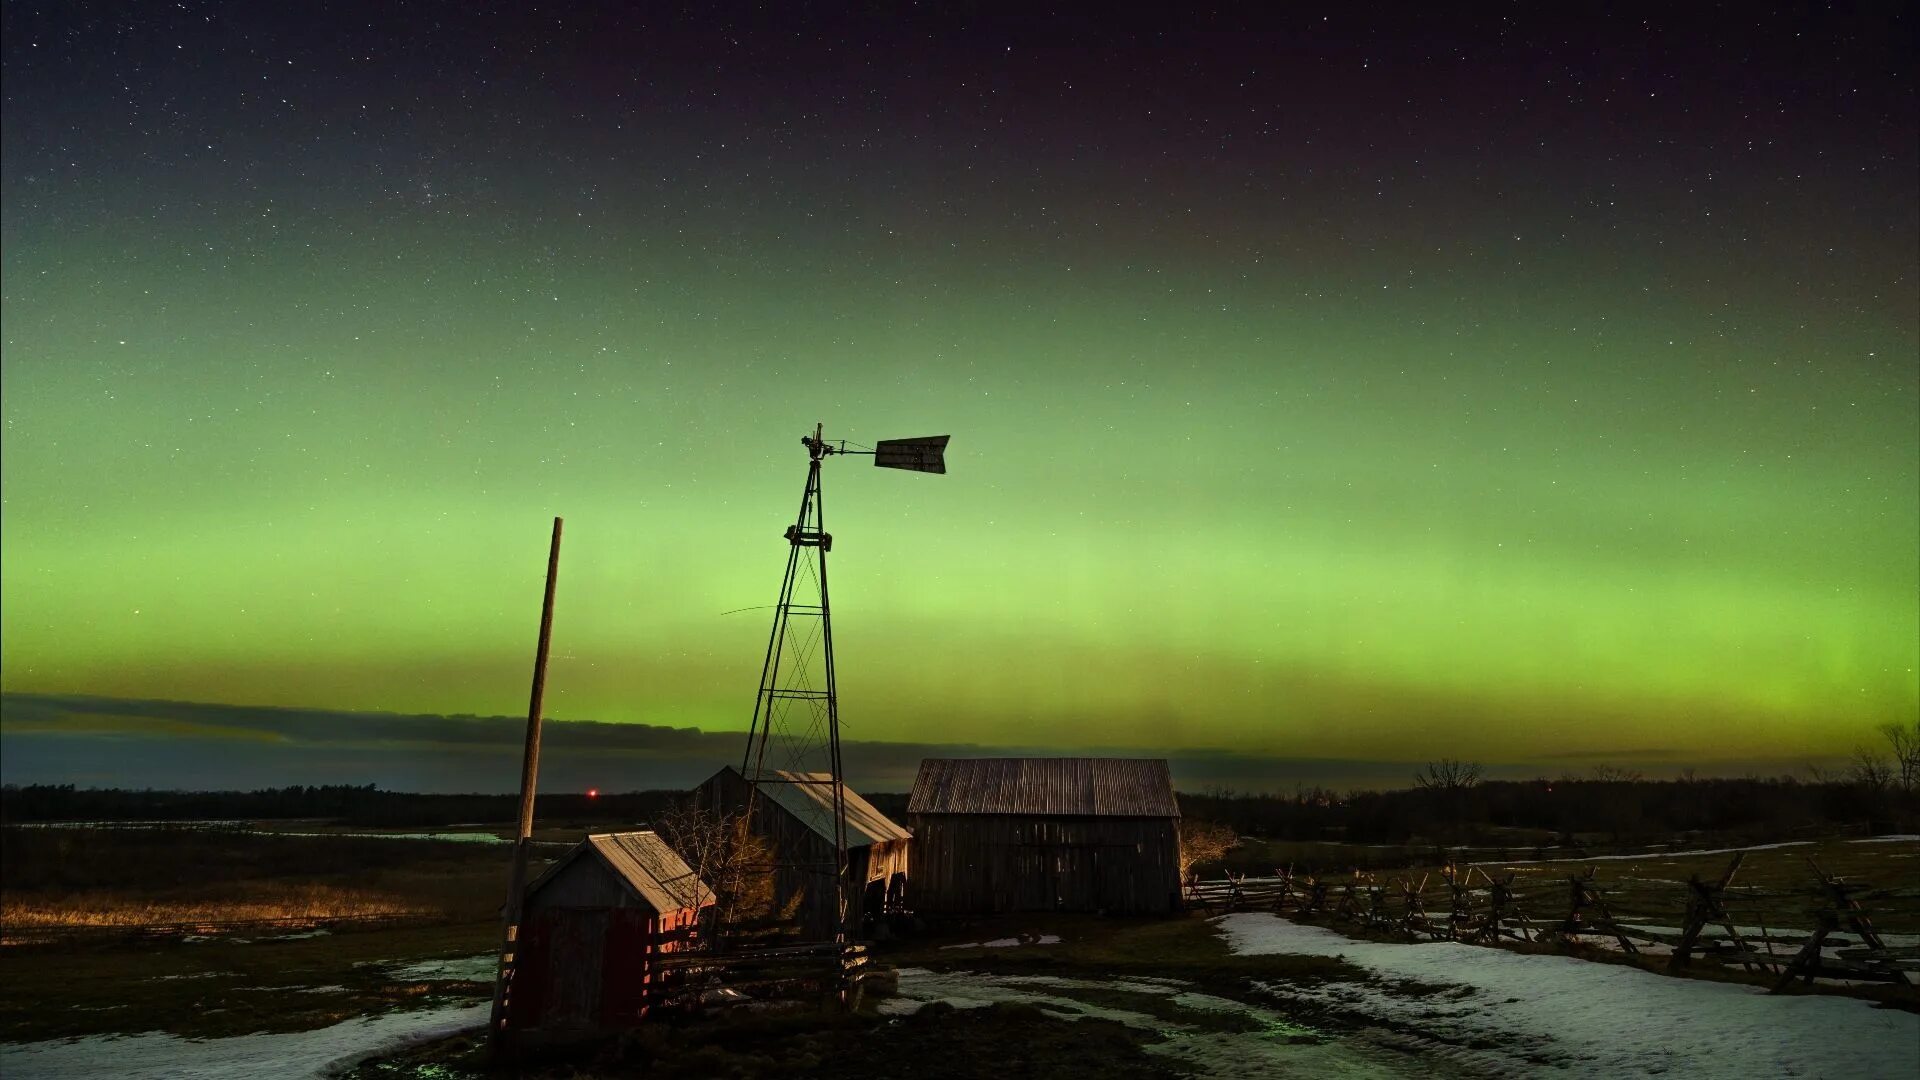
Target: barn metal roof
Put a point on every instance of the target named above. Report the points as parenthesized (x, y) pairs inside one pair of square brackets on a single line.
[(1065, 787), (811, 800), (645, 864)]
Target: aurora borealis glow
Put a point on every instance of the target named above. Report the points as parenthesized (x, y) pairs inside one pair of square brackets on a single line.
[(1358, 386)]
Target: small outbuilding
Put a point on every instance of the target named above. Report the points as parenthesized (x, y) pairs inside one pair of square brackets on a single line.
[(1045, 834), (794, 814), (594, 926)]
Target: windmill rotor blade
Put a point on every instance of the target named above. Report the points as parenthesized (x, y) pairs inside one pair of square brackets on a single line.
[(926, 454)]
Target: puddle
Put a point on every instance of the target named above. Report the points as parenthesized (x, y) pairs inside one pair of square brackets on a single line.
[(1213, 1036)]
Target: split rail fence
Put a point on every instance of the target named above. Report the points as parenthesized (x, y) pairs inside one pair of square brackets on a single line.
[(1575, 909)]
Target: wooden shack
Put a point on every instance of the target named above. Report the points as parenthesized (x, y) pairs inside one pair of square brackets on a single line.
[(1045, 834), (794, 813), (593, 927)]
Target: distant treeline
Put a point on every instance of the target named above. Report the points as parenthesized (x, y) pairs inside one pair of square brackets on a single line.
[(1449, 805), (343, 803), (1619, 808)]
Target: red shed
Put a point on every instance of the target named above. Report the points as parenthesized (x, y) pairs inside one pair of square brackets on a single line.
[(593, 926)]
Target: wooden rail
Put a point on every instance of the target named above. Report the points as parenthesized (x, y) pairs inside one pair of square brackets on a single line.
[(1492, 914)]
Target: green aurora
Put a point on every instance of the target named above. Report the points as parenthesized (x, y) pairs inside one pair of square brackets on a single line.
[(1467, 475)]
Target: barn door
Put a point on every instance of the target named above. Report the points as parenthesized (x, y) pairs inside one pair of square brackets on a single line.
[(576, 944)]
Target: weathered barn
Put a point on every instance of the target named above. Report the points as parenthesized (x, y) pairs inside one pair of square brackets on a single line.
[(795, 815), (1045, 834), (593, 925)]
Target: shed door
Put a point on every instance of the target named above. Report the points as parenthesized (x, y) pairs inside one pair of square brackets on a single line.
[(576, 942)]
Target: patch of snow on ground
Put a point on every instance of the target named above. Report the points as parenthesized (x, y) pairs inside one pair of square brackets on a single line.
[(319, 1053), (1662, 856), (480, 968), (454, 837), (1902, 838), (1007, 942), (1560, 1014)]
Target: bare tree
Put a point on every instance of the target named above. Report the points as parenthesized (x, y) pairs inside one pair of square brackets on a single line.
[(1448, 775), (724, 853), (1870, 770), (1615, 774), (1904, 741), (1204, 842)]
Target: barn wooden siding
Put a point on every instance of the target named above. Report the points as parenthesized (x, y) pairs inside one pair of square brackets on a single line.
[(595, 926), (1045, 834), (877, 849)]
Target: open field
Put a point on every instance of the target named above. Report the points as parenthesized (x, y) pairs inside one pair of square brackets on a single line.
[(231, 986), (246, 931), (61, 880), (1124, 997)]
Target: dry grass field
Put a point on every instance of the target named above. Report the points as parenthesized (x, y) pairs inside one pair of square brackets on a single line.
[(80, 879), (245, 930)]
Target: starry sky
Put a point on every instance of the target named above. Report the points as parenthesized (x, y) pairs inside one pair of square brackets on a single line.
[(1346, 384)]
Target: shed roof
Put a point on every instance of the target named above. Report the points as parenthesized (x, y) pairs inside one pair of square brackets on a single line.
[(645, 865), (1064, 787), (809, 797)]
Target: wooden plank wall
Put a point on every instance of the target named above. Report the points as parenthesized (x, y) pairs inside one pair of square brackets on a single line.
[(590, 948), (583, 883), (798, 848), (975, 863)]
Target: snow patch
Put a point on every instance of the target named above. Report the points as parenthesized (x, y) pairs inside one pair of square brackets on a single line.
[(1556, 1014), (155, 1055), (1008, 942), (481, 968), (1273, 1048), (1662, 856)]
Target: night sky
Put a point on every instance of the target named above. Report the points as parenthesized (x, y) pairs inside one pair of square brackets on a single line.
[(1534, 388)]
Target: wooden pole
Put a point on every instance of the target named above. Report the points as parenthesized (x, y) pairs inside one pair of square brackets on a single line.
[(529, 774)]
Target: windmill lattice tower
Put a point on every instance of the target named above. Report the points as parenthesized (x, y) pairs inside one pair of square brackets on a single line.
[(794, 738)]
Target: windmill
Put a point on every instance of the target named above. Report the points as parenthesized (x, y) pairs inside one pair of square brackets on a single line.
[(795, 734)]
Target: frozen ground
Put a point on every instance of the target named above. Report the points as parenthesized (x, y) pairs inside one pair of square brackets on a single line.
[(1216, 1037), (299, 1054), (1511, 1014)]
